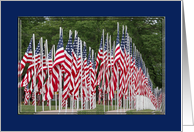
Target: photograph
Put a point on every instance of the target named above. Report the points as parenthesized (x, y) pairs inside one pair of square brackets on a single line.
[(91, 65)]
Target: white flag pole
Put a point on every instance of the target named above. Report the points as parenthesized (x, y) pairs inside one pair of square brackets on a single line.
[(111, 72), (60, 31), (46, 51), (34, 72), (95, 88), (77, 73), (128, 68), (130, 73), (90, 80), (41, 48), (103, 74), (91, 84), (86, 98), (108, 61), (117, 80), (53, 54), (113, 68), (124, 75), (72, 97), (81, 75)]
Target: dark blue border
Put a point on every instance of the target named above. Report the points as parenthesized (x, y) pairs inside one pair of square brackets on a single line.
[(11, 121)]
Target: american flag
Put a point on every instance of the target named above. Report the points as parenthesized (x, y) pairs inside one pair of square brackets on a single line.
[(27, 58), (99, 95), (30, 70), (122, 66), (92, 70), (58, 64), (41, 74), (111, 86), (126, 80), (136, 74), (139, 76), (108, 66), (88, 74), (68, 63), (49, 61), (49, 90), (47, 102), (73, 70), (100, 54), (116, 59), (103, 64), (78, 70), (33, 98), (84, 68), (27, 95)]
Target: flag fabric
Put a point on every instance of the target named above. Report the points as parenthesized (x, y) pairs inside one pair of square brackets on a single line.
[(41, 74), (33, 98), (111, 86), (30, 71), (27, 58), (116, 61), (27, 95), (122, 67), (77, 78), (58, 64), (68, 64), (88, 76), (103, 64), (100, 54), (84, 68)]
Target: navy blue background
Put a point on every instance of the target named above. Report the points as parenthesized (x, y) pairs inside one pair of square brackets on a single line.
[(10, 120)]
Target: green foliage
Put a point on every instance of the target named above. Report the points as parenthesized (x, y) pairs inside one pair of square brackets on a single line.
[(146, 33)]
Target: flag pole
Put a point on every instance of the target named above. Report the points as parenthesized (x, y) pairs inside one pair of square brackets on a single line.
[(111, 81), (130, 73), (86, 104), (34, 72), (90, 82), (46, 51), (41, 48), (103, 72), (81, 75), (108, 91), (124, 74), (113, 68), (95, 88), (60, 78), (77, 73), (127, 64), (117, 79), (72, 97), (53, 58)]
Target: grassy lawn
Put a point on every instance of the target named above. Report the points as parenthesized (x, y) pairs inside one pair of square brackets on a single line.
[(29, 109), (144, 112), (99, 110)]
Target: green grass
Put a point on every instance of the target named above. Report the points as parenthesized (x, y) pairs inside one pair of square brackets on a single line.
[(30, 110), (143, 112), (99, 110)]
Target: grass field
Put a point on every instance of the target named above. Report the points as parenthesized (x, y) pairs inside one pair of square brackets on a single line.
[(143, 112), (99, 110)]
